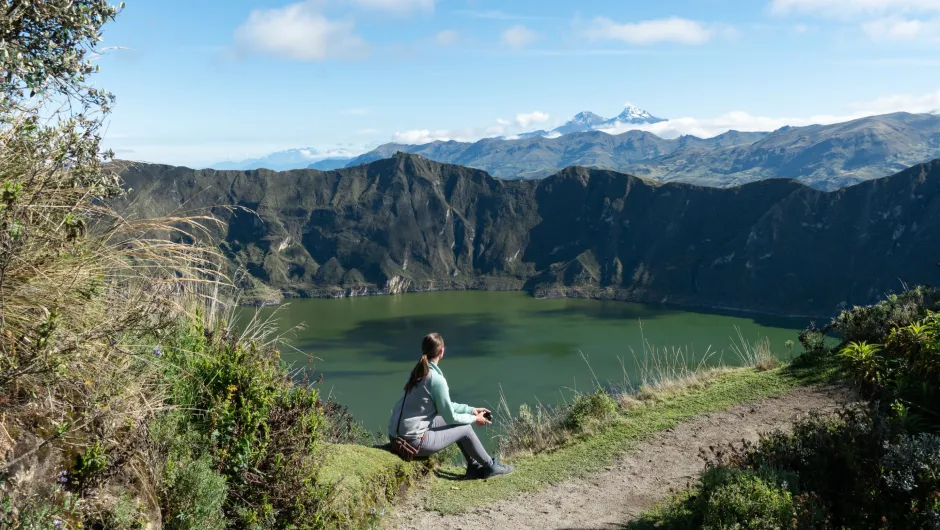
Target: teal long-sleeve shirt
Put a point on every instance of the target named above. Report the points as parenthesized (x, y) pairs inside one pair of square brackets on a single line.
[(430, 398)]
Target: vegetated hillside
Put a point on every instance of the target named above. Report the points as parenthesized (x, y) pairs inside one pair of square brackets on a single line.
[(826, 157), (330, 163), (823, 156), (538, 157), (407, 223)]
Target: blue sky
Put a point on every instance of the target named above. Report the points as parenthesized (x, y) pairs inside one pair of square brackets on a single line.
[(214, 80)]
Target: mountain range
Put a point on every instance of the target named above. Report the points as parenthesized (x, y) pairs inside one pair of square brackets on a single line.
[(538, 157), (309, 157), (826, 157), (407, 223)]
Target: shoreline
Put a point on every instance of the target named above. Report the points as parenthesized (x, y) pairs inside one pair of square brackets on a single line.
[(537, 293)]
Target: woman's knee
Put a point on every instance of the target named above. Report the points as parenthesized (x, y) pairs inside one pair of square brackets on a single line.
[(467, 432)]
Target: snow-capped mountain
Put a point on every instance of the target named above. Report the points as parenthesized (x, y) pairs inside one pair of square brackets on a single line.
[(588, 121), (582, 121), (633, 115)]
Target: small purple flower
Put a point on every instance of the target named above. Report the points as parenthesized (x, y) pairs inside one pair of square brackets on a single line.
[(56, 523), (111, 343), (157, 351)]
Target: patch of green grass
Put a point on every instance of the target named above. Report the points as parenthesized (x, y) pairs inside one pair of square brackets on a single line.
[(595, 452), (365, 479)]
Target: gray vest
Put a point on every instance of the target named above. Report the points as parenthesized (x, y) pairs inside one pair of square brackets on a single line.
[(418, 413)]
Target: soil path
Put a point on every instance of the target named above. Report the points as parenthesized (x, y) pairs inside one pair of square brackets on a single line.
[(609, 499)]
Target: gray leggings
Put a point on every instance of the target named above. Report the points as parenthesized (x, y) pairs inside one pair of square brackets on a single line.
[(441, 435)]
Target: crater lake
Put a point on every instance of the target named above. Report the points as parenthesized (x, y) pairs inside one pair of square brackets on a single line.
[(504, 344)]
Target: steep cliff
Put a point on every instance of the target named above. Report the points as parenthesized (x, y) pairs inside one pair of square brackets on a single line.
[(410, 224)]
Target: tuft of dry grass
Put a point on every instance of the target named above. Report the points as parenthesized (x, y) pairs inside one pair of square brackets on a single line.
[(664, 389), (755, 354)]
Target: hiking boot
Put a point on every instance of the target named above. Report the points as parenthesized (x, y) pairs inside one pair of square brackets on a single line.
[(474, 471), (495, 469)]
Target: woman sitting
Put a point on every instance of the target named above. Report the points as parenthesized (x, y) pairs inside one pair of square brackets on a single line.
[(429, 421)]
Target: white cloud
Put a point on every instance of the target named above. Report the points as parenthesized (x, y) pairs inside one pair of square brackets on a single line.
[(899, 103), (801, 28), (424, 136), (448, 37), (525, 120), (472, 134), (396, 6), (675, 30), (899, 29), (844, 8), (881, 20), (469, 134), (519, 36), (300, 32), (708, 127)]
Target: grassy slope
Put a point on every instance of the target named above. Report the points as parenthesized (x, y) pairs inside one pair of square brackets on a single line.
[(599, 450), (369, 478), (366, 479)]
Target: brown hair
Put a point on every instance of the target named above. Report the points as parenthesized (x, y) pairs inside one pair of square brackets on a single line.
[(431, 346)]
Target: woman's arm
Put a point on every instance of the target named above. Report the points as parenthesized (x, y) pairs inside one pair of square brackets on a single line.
[(453, 413)]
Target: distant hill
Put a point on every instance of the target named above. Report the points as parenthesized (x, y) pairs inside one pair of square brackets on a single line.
[(288, 159), (411, 224), (822, 156), (330, 163)]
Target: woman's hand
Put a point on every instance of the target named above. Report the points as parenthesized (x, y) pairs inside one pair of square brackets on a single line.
[(479, 411), (480, 419)]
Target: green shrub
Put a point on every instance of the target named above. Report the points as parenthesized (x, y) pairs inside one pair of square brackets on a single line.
[(533, 429), (904, 370), (122, 512), (340, 427), (541, 428), (911, 475), (874, 323), (262, 432), (591, 409), (283, 489), (194, 495), (741, 499), (734, 498)]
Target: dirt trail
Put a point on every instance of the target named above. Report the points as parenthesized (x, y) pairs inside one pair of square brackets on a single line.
[(640, 479)]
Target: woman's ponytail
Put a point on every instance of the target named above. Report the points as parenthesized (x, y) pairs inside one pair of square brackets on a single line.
[(431, 347)]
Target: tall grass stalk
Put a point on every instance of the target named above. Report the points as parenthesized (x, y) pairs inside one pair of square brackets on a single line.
[(753, 354)]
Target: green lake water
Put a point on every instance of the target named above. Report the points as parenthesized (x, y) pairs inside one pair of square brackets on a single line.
[(499, 343)]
